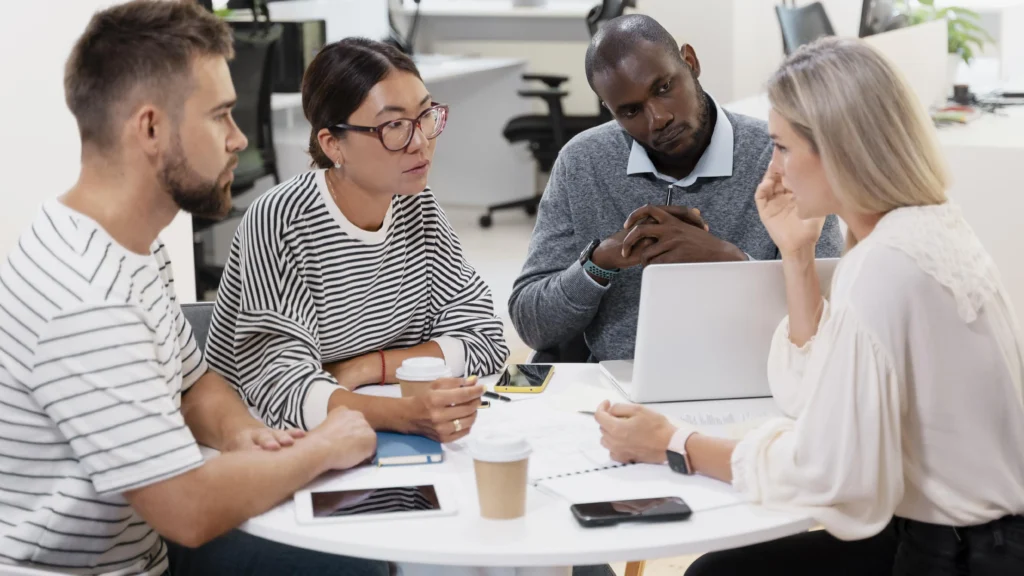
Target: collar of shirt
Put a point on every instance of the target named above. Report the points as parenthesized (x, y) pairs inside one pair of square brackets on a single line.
[(715, 162)]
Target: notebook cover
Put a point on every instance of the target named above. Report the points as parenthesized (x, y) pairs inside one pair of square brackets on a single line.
[(406, 449)]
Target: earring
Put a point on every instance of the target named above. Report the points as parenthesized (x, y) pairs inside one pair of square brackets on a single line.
[(337, 164)]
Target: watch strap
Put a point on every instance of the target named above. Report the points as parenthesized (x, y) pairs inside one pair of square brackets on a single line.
[(678, 458), (595, 270)]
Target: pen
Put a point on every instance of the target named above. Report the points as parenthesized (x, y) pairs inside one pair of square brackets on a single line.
[(496, 396), (668, 196)]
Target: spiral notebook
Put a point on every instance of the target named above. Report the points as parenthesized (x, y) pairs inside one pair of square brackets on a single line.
[(628, 482), (568, 464)]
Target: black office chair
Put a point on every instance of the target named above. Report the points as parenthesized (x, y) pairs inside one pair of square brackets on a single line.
[(252, 72), (803, 25), (547, 133)]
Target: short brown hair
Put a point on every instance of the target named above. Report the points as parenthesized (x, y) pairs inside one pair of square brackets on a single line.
[(143, 47)]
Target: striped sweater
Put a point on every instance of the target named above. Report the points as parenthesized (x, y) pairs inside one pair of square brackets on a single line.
[(304, 287)]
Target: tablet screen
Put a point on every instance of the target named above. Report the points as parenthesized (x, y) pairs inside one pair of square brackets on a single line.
[(394, 500)]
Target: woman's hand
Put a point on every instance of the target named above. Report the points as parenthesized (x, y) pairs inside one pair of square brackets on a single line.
[(448, 411), (793, 235), (632, 433)]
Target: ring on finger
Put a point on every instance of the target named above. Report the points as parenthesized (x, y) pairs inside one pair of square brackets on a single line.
[(458, 425)]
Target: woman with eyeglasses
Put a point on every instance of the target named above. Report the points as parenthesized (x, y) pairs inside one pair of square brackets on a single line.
[(338, 275)]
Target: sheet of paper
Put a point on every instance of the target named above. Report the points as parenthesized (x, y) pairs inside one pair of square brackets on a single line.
[(642, 481), (584, 398), (562, 442)]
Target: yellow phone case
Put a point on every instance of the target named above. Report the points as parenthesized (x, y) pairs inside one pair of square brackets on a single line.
[(527, 389)]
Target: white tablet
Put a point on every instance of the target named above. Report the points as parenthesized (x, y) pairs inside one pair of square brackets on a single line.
[(371, 501)]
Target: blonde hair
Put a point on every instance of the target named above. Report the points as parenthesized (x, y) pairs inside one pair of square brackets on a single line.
[(877, 145)]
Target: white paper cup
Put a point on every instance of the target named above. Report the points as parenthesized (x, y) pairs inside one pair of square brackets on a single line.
[(416, 374), (501, 462)]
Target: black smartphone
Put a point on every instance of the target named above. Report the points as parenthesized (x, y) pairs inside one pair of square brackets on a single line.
[(665, 509)]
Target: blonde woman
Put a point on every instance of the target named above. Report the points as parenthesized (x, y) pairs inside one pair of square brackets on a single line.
[(904, 435)]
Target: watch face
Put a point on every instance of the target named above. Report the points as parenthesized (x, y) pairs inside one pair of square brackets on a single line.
[(585, 255), (677, 462)]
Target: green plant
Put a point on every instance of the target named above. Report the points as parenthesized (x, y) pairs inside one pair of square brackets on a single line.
[(966, 36)]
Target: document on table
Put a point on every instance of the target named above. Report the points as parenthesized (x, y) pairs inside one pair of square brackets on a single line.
[(562, 442), (642, 481)]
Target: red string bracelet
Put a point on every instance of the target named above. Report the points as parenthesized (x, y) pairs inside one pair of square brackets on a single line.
[(383, 369)]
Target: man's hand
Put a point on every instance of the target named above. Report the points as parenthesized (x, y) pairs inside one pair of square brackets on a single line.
[(259, 437), (611, 255), (632, 433), (689, 216), (434, 413), (675, 239), (350, 438), (777, 207)]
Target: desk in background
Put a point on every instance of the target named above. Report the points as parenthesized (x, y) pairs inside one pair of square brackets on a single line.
[(557, 20), (473, 163)]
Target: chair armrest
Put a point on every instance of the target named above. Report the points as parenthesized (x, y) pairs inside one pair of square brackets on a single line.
[(546, 95), (549, 79)]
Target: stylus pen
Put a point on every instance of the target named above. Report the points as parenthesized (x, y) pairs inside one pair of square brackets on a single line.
[(496, 396)]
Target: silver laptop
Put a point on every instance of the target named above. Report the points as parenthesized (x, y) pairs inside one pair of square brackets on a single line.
[(704, 331)]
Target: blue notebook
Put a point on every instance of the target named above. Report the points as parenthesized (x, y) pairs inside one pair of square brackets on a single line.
[(405, 449)]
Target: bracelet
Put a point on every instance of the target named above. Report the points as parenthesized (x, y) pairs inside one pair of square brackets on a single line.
[(383, 369)]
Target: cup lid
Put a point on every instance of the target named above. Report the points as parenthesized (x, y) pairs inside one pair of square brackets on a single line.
[(423, 369), (498, 447)]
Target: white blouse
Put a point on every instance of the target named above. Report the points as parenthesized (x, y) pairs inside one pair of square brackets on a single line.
[(908, 401)]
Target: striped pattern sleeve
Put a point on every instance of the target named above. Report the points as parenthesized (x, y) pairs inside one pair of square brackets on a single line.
[(193, 363), (99, 376), (462, 306), (276, 339)]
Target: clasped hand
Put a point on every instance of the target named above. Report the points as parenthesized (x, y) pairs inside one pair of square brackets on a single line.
[(663, 235)]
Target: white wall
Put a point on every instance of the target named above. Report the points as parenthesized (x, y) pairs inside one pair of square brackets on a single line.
[(737, 41), (39, 148)]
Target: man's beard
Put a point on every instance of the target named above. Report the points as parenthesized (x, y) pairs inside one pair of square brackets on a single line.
[(704, 123), (193, 193), (701, 132)]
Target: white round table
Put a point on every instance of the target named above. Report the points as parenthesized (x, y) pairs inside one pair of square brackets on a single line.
[(547, 536)]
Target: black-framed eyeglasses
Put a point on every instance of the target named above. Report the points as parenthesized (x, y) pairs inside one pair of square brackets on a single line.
[(395, 135)]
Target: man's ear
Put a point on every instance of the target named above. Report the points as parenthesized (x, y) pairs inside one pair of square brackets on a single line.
[(146, 129), (690, 57)]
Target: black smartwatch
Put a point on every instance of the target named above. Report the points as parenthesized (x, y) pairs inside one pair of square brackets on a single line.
[(594, 269), (679, 462)]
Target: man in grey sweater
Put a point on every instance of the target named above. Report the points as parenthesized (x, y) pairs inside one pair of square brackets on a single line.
[(598, 222)]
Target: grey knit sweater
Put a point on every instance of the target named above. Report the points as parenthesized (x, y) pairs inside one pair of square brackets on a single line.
[(589, 197)]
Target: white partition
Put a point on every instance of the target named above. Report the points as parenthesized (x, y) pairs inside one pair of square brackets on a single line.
[(920, 52)]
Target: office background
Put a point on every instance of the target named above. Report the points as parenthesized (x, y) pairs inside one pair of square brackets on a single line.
[(738, 42)]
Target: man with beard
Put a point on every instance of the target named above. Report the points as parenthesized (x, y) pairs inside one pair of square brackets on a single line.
[(104, 395), (604, 214)]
